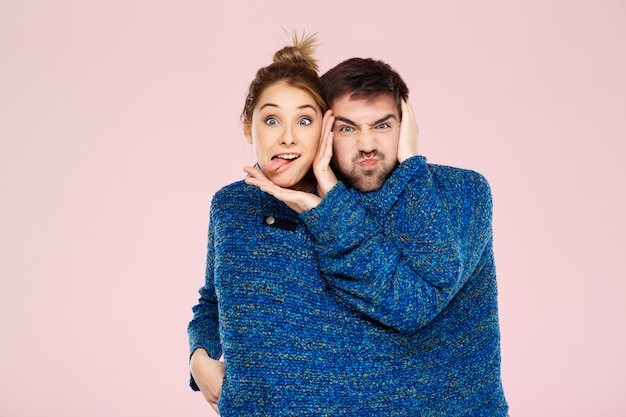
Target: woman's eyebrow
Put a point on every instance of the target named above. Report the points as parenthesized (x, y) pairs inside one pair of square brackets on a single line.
[(304, 106), (308, 106), (268, 105)]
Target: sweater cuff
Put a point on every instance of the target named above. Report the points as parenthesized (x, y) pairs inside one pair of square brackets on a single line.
[(213, 349), (338, 221)]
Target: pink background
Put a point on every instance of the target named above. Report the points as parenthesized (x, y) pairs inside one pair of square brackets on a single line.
[(119, 120)]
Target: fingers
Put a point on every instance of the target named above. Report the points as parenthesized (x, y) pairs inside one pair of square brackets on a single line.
[(299, 201), (325, 148), (407, 146), (411, 117), (255, 173), (265, 185), (324, 152), (257, 178)]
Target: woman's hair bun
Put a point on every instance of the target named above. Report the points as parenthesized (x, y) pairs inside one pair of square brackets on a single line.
[(301, 52)]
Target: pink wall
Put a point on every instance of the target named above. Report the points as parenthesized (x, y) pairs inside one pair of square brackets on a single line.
[(119, 119)]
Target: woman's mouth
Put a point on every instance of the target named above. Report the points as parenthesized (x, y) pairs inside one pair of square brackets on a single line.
[(281, 161)]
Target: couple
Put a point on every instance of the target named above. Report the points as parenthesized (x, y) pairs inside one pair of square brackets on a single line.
[(374, 295)]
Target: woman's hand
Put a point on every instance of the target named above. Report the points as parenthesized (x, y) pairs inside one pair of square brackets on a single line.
[(208, 374), (298, 201), (325, 176), (407, 146)]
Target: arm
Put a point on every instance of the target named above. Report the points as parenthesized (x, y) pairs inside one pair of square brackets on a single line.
[(206, 370), (401, 273)]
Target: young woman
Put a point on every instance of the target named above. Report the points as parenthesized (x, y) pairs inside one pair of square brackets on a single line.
[(288, 347), (261, 277)]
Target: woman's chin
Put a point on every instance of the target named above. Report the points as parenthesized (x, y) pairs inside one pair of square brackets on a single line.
[(301, 184), (285, 184)]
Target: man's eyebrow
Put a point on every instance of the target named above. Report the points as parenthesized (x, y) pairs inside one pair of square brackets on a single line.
[(377, 122), (343, 119), (384, 119)]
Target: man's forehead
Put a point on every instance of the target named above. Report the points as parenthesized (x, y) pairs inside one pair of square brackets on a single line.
[(360, 96), (365, 108)]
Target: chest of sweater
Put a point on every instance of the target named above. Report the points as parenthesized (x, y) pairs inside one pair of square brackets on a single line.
[(266, 277)]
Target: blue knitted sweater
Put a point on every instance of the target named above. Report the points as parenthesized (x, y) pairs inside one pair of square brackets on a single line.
[(402, 320)]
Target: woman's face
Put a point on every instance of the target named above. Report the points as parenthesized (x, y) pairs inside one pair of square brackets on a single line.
[(285, 132)]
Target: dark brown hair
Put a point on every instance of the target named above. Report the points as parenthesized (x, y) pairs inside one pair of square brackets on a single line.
[(363, 78)]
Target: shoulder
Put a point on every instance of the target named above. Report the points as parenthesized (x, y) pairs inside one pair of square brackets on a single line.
[(233, 191), (465, 179), (417, 169), (463, 189), (232, 197)]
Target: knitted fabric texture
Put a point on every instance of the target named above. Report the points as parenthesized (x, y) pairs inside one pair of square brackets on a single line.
[(381, 303)]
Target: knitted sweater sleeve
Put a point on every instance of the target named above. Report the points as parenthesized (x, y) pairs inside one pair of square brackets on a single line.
[(402, 268), (203, 329)]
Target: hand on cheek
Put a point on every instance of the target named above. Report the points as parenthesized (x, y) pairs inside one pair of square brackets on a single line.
[(326, 178)]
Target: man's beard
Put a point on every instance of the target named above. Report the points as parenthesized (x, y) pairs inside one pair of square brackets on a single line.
[(364, 180)]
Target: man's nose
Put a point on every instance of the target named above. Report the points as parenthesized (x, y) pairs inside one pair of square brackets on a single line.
[(367, 142)]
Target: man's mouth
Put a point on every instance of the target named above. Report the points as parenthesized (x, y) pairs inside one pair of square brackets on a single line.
[(368, 162), (280, 160)]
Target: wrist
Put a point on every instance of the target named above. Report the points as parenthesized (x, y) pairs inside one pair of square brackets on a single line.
[(198, 356)]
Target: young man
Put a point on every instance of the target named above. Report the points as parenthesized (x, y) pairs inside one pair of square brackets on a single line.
[(407, 246)]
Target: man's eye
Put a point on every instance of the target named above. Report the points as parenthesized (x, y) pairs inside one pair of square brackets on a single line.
[(271, 121), (346, 129), (383, 126), (305, 121)]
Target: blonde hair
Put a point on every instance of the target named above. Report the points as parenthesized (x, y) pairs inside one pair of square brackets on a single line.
[(292, 64), (300, 52)]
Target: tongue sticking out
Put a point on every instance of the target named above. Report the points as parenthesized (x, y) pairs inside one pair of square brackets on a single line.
[(277, 163)]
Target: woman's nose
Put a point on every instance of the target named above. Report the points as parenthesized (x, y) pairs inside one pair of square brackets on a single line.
[(287, 137)]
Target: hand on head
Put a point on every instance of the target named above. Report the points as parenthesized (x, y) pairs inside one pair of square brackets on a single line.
[(407, 146), (325, 176)]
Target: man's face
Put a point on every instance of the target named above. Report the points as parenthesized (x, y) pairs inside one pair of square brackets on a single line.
[(366, 135)]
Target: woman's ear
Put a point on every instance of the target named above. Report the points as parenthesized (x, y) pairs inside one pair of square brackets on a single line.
[(247, 131)]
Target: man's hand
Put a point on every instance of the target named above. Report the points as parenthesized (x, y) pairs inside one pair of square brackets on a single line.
[(208, 374), (298, 201), (407, 146), (325, 176)]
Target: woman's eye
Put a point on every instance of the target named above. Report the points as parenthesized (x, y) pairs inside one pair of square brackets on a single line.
[(305, 121), (271, 121)]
